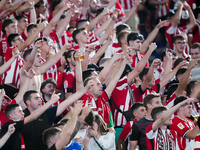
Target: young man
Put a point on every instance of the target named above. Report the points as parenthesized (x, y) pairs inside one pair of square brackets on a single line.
[(179, 44), (139, 112), (158, 136), (56, 138), (186, 128), (33, 101), (138, 135), (14, 112), (195, 54)]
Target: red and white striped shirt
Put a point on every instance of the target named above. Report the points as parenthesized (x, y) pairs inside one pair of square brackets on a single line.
[(182, 127), (162, 9), (122, 99), (197, 142)]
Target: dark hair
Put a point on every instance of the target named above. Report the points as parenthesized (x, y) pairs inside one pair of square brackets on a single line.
[(120, 28), (87, 73), (179, 99), (195, 45), (68, 54), (54, 3), (178, 61), (143, 73), (100, 10), (190, 86), (19, 17), (79, 23), (148, 99), (42, 20), (102, 126), (171, 89), (6, 23), (196, 12), (178, 37), (47, 81), (69, 28), (163, 54), (181, 71), (11, 38), (135, 106), (31, 26), (41, 38), (27, 52), (48, 133), (27, 95), (89, 119), (75, 33), (37, 5), (134, 36), (156, 111), (121, 36), (10, 108)]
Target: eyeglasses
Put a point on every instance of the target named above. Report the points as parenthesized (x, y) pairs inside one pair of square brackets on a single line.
[(181, 43)]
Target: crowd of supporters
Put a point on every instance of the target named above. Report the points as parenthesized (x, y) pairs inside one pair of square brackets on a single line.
[(100, 74)]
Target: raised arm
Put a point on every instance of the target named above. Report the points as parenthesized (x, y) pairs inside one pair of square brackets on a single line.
[(73, 98), (150, 74), (101, 51), (169, 113), (195, 92), (54, 20), (65, 23), (79, 79), (170, 75), (184, 80), (152, 35), (139, 67), (115, 78), (6, 65), (130, 13), (11, 130), (192, 20), (16, 6), (2, 3), (69, 127), (31, 38), (54, 59), (177, 16), (96, 20)]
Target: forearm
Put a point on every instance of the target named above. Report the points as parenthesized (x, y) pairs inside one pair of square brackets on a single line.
[(192, 20), (150, 73), (2, 3), (100, 52), (6, 65), (177, 17), (65, 23), (93, 22), (33, 17), (111, 4), (129, 14), (23, 8), (4, 139), (119, 144), (79, 79), (149, 39), (16, 6), (103, 27)]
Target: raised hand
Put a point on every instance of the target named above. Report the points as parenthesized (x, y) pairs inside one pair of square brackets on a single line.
[(192, 63), (67, 46), (15, 52), (156, 62), (30, 74), (163, 23), (11, 128), (54, 97), (152, 46)]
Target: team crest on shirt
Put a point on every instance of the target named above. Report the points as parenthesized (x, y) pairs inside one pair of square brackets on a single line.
[(181, 126), (65, 84)]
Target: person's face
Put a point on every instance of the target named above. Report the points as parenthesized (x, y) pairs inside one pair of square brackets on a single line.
[(42, 9), (140, 113), (11, 28), (174, 59), (22, 24), (136, 44), (83, 37), (46, 46), (96, 89), (38, 60), (18, 113), (168, 121), (156, 101), (35, 101), (180, 45), (195, 53), (93, 6), (104, 18), (18, 41), (49, 89), (8, 5), (187, 110)]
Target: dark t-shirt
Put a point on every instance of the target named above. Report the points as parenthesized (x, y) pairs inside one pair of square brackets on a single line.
[(14, 142), (72, 146), (32, 132), (139, 132)]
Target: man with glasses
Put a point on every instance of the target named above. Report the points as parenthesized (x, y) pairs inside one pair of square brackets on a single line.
[(179, 43)]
